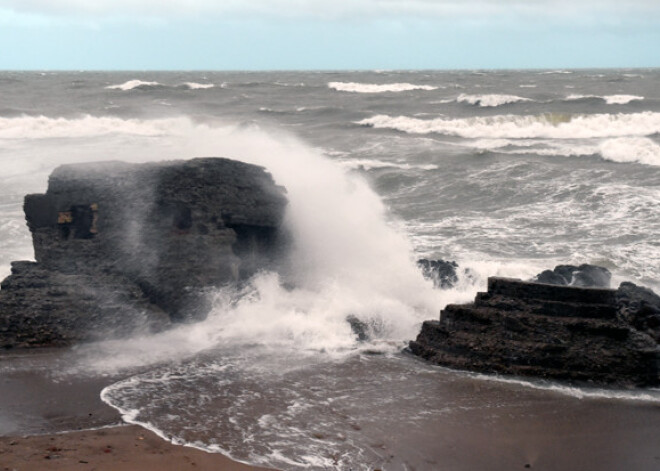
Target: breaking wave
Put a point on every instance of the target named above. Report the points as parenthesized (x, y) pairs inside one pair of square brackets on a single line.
[(198, 86), (375, 88), (132, 84), (43, 127), (621, 149), (492, 100), (608, 99), (369, 164), (549, 125)]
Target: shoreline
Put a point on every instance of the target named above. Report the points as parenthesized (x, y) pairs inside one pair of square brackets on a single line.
[(125, 447)]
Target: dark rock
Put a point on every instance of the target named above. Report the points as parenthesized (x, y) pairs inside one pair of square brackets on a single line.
[(570, 275), (639, 307), (113, 239), (561, 332), (442, 273), (359, 328)]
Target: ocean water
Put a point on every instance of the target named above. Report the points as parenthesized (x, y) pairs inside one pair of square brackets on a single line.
[(508, 173)]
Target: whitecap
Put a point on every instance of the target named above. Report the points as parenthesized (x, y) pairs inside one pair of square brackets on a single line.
[(370, 164), (491, 100), (131, 84), (549, 125), (198, 86), (609, 99), (377, 88), (631, 149)]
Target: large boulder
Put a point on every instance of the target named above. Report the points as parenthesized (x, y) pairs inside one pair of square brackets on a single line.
[(550, 331), (570, 275), (153, 237)]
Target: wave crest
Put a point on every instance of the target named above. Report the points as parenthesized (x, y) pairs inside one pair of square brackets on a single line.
[(609, 99), (198, 86), (376, 88), (132, 84), (549, 125), (491, 100)]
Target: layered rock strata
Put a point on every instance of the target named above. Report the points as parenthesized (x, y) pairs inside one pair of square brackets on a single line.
[(121, 247), (549, 331)]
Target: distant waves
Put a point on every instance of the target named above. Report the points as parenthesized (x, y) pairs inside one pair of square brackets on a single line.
[(616, 137), (377, 88), (144, 85)]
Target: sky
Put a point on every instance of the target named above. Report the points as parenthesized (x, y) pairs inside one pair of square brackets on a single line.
[(327, 34)]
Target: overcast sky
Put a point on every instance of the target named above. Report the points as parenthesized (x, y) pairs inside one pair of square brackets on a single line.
[(328, 34)]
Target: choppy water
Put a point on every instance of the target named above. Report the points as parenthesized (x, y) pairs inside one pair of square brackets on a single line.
[(508, 173)]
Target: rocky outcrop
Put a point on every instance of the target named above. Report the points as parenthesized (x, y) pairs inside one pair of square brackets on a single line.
[(122, 246), (550, 331), (571, 275), (441, 272)]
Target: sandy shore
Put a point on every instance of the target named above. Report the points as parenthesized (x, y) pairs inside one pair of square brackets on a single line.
[(129, 448)]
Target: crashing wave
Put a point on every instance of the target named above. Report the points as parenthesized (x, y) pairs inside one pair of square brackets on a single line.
[(369, 164), (131, 84), (376, 88), (609, 99), (198, 86), (489, 100), (43, 127), (549, 125)]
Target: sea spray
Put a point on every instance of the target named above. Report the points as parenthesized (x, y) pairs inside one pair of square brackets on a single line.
[(348, 256)]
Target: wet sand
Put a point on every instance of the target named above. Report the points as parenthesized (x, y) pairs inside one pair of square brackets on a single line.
[(51, 422), (45, 424), (126, 448)]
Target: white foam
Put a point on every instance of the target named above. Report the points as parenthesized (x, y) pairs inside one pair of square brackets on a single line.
[(552, 126), (370, 164), (363, 265), (491, 100), (42, 127), (198, 86), (377, 88), (621, 99), (131, 84), (555, 72), (609, 99), (641, 395), (631, 149)]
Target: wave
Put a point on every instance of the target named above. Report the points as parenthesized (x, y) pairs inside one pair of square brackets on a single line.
[(622, 149), (630, 149), (43, 127), (491, 100), (549, 125), (609, 99), (198, 86), (132, 84), (376, 88), (369, 164), (555, 72)]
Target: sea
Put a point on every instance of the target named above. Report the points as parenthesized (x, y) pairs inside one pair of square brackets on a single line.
[(507, 173)]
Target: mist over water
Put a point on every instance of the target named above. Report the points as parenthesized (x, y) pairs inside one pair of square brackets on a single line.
[(506, 173)]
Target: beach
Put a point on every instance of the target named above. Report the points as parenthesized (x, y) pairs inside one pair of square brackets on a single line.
[(507, 173), (129, 448)]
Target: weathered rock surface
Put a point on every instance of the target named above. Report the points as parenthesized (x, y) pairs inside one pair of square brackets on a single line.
[(549, 331), (570, 275), (122, 247), (441, 272)]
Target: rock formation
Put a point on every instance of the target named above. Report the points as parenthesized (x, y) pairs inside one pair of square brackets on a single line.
[(549, 331), (122, 246), (571, 275)]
